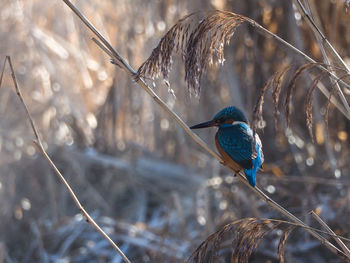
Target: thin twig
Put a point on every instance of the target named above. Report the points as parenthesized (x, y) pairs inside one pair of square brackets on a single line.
[(306, 57), (40, 147), (329, 150), (320, 36), (318, 32), (307, 180), (334, 101), (295, 224), (334, 235), (331, 233), (288, 45), (18, 92), (125, 66), (2, 72)]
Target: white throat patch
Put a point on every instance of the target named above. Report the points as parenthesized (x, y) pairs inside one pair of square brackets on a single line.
[(239, 122)]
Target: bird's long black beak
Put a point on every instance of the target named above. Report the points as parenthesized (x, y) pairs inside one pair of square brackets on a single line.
[(204, 125)]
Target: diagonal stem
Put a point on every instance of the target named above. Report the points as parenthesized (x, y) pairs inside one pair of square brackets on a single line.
[(324, 42), (331, 233), (318, 32), (39, 145), (329, 150)]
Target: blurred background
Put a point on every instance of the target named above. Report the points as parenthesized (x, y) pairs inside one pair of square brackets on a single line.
[(150, 187)]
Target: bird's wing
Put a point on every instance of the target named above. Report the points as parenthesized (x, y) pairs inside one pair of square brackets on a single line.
[(237, 141)]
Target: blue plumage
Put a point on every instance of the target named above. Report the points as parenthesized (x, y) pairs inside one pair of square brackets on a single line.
[(236, 142), (231, 113)]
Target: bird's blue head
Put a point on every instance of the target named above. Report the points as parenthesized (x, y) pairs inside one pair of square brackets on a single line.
[(226, 115)]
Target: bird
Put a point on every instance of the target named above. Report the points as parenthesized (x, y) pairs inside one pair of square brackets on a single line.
[(238, 145)]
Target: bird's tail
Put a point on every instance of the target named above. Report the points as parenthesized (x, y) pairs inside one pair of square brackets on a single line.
[(251, 176)]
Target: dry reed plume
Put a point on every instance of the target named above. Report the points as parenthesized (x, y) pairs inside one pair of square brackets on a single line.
[(201, 44), (168, 194)]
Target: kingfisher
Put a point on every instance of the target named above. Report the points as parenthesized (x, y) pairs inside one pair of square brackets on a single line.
[(239, 147)]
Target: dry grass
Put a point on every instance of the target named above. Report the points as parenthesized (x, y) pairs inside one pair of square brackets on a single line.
[(244, 236), (148, 185), (200, 43)]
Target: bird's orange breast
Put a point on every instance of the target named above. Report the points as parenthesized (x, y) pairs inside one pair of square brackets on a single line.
[(228, 161)]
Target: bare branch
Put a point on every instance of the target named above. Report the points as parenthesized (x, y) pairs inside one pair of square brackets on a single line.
[(319, 33), (40, 147), (324, 42), (330, 231)]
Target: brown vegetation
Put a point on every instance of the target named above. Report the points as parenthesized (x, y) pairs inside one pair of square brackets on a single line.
[(144, 181)]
